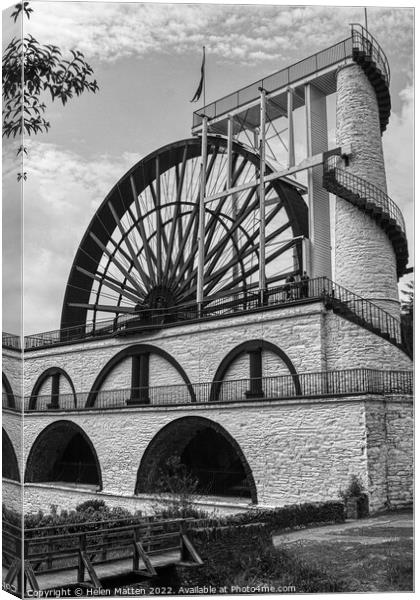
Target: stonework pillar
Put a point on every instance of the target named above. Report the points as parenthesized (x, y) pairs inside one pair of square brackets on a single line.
[(364, 256)]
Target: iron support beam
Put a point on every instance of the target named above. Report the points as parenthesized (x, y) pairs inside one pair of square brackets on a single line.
[(291, 148), (261, 189), (229, 152), (201, 217), (307, 163)]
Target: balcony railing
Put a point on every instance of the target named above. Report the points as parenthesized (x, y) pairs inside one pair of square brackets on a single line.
[(11, 341), (350, 305), (303, 385)]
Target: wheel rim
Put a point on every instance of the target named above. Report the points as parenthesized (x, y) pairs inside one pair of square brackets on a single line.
[(141, 247)]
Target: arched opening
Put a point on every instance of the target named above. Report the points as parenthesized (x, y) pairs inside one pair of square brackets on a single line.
[(10, 467), (209, 453), (289, 385), (8, 395), (64, 454), (142, 377), (53, 389)]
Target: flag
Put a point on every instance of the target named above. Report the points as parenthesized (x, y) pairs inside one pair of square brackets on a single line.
[(197, 94)]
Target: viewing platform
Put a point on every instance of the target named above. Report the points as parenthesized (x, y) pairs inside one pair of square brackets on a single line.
[(335, 297), (244, 104)]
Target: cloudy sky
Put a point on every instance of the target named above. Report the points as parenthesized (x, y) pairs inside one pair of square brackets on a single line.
[(146, 58)]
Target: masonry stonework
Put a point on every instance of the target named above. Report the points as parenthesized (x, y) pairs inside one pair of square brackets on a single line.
[(12, 368), (198, 348), (298, 451), (313, 338)]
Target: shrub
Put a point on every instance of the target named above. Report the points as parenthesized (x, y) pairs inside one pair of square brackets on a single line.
[(94, 505), (69, 521), (354, 489), (286, 517)]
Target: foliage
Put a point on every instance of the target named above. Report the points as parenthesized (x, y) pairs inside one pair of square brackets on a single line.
[(407, 304), (44, 70), (285, 517), (407, 317), (178, 486), (67, 521), (94, 505), (354, 489)]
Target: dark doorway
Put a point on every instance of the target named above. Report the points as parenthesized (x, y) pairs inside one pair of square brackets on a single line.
[(215, 464), (63, 453), (208, 452), (10, 468)]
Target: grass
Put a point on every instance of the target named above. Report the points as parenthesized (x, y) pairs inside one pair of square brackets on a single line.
[(381, 567)]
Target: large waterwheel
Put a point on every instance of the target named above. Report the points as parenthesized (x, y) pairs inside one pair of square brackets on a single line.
[(141, 247)]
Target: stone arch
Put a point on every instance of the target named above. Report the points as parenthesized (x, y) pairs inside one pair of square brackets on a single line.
[(202, 446), (10, 466), (250, 346), (54, 372), (134, 350), (9, 392), (63, 452)]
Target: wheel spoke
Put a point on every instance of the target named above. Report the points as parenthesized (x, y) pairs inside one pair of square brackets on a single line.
[(103, 308), (142, 243), (127, 242), (140, 224), (179, 184), (120, 288), (117, 263)]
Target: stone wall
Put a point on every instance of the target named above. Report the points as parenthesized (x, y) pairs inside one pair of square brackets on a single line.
[(298, 451), (314, 339), (347, 346), (12, 495), (40, 497), (199, 348), (389, 434), (12, 365)]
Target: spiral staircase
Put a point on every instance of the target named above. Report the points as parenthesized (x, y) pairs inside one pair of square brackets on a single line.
[(375, 203)]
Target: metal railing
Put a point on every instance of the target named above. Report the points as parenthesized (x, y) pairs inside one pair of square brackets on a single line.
[(316, 384), (362, 311), (365, 42), (308, 66), (11, 341), (360, 41), (358, 186)]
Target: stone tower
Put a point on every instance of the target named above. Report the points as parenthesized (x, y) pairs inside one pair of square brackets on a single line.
[(365, 260)]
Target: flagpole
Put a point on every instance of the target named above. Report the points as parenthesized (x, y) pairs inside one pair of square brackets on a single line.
[(204, 79), (366, 19)]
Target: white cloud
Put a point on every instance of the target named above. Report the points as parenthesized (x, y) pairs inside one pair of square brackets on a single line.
[(399, 161), (250, 34), (398, 141), (62, 194)]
